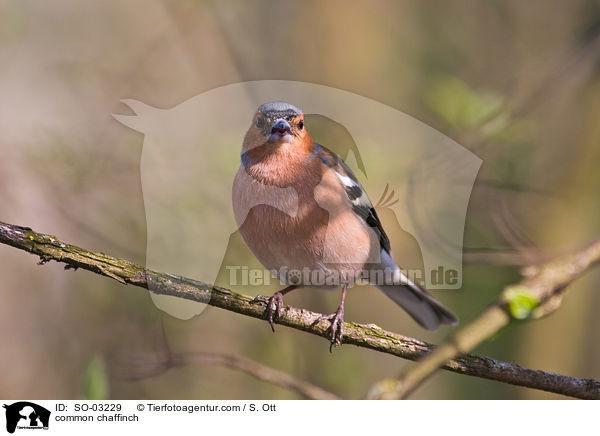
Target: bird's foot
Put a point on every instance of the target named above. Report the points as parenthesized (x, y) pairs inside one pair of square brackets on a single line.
[(273, 311), (336, 328), (274, 304)]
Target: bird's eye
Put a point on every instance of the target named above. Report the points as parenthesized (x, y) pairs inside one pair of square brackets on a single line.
[(301, 125), (260, 123)]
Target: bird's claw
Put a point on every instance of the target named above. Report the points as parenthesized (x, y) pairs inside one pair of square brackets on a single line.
[(336, 328), (273, 311), (261, 299)]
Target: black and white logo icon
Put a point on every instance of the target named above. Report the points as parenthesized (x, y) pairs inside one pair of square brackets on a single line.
[(26, 415)]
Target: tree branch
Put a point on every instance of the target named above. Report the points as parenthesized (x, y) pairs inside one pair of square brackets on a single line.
[(135, 369), (539, 294), (144, 365), (369, 336)]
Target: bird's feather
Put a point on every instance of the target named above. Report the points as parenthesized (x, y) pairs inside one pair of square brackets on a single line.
[(419, 304), (361, 204)]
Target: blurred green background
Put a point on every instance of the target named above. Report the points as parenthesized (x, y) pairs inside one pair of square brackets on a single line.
[(516, 82)]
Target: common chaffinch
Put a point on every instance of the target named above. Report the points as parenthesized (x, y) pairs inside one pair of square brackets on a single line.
[(305, 216)]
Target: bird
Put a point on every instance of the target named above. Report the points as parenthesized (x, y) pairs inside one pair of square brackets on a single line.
[(305, 216)]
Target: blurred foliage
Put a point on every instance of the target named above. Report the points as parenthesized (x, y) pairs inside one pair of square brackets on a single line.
[(463, 108), (483, 113), (94, 381)]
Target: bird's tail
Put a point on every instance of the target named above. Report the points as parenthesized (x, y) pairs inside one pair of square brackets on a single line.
[(421, 306)]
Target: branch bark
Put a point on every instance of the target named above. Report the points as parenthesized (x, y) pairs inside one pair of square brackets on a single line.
[(369, 336)]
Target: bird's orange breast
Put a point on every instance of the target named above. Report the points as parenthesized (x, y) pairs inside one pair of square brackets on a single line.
[(294, 213)]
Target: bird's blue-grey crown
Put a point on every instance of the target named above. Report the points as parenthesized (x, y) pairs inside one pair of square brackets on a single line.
[(279, 109)]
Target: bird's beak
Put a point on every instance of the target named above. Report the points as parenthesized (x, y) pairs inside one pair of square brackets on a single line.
[(281, 131)]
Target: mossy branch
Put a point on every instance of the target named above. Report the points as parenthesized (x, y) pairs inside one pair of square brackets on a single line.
[(369, 336)]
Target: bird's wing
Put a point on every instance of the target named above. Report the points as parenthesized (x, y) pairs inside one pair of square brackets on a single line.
[(361, 204), (425, 309)]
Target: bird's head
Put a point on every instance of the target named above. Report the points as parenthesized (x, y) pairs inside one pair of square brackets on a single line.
[(276, 123)]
